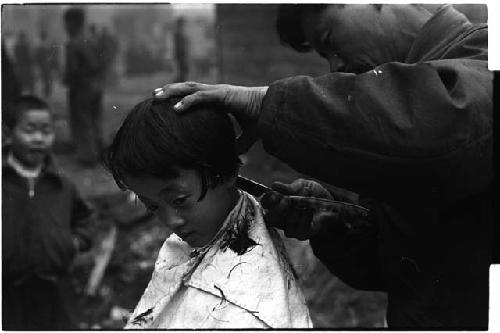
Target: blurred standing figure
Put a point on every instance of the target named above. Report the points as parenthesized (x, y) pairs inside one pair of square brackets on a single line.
[(108, 48), (47, 61), (181, 50), (24, 63), (99, 77), (93, 32), (83, 78), (11, 86)]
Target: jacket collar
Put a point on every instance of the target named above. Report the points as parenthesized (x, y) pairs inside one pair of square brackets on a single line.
[(442, 30), (49, 170)]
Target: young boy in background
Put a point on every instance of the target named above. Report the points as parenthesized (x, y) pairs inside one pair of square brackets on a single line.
[(45, 221), (222, 267)]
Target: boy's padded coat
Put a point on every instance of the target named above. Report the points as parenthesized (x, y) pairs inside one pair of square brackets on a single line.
[(38, 231)]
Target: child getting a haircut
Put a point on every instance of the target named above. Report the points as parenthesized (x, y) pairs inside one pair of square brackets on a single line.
[(221, 267)]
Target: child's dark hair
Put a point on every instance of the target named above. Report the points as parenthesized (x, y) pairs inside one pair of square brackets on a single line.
[(156, 141), (15, 109)]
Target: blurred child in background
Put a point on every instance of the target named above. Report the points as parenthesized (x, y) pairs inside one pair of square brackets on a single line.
[(45, 221)]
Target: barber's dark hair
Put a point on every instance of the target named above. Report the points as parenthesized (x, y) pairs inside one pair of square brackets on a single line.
[(15, 109), (156, 141), (288, 24), (289, 27)]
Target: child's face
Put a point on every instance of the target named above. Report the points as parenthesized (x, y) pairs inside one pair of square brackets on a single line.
[(175, 202), (32, 137)]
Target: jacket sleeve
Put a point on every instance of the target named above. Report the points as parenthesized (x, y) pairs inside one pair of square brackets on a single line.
[(352, 255), (82, 220), (396, 133)]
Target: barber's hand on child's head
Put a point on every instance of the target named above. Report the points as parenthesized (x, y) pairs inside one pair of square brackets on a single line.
[(244, 103), (296, 220)]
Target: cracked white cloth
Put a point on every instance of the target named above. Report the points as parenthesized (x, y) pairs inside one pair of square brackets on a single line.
[(215, 287)]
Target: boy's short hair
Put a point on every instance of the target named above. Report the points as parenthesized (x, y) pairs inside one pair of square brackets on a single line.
[(14, 111), (156, 141)]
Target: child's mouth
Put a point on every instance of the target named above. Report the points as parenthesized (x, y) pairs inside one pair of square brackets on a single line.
[(37, 153)]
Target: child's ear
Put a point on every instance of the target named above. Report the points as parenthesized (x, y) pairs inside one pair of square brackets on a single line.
[(230, 181)]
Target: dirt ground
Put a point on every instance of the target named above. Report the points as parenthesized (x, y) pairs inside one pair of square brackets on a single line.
[(138, 237)]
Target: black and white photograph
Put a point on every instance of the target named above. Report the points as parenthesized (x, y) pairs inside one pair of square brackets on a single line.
[(246, 166)]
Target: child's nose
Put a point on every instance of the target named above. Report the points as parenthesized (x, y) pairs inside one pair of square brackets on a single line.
[(172, 218), (37, 137)]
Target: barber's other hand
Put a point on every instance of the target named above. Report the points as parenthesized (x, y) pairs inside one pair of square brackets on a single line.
[(296, 221), (244, 103)]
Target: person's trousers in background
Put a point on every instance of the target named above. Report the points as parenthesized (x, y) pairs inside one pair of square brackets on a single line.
[(182, 70), (47, 82), (85, 116), (35, 304)]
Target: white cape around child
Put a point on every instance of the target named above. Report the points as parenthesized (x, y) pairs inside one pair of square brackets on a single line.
[(242, 279)]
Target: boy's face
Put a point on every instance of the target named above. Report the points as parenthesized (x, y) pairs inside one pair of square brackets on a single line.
[(32, 137), (175, 203)]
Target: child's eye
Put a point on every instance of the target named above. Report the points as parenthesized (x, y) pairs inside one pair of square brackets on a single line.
[(179, 201), (28, 129), (47, 130), (149, 206)]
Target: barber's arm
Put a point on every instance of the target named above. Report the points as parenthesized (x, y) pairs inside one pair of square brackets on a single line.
[(398, 133), (351, 256), (343, 236)]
